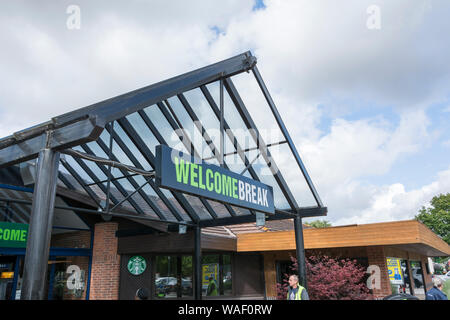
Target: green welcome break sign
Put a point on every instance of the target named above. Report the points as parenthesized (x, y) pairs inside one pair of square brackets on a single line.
[(13, 235), (178, 171)]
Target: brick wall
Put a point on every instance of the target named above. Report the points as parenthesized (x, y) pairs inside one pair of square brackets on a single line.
[(76, 239), (376, 256), (105, 274)]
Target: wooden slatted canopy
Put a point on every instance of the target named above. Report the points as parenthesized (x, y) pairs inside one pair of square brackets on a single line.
[(409, 235)]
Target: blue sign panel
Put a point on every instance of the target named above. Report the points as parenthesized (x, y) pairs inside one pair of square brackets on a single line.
[(182, 172)]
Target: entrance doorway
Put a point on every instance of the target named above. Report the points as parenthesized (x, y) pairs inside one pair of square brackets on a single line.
[(11, 271)]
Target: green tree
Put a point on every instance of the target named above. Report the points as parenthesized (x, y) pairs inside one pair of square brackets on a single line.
[(319, 224), (437, 216)]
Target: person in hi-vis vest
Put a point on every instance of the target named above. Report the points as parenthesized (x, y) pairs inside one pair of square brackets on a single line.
[(296, 291)]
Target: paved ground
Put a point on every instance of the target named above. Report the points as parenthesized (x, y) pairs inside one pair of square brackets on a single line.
[(420, 293)]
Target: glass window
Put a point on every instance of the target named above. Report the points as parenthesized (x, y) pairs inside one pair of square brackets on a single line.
[(210, 275), (14, 212), (174, 276), (186, 276), (417, 276), (166, 281), (232, 117), (7, 266), (164, 128), (219, 209), (66, 283), (198, 207), (292, 174), (226, 277), (283, 269), (132, 148), (406, 287), (143, 130), (216, 275), (76, 167), (192, 132), (259, 109), (169, 196)]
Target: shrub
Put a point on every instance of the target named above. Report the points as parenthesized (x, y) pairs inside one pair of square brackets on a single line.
[(446, 288), (330, 279)]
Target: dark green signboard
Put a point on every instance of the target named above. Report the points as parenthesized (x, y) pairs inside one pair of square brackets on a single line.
[(176, 170), (13, 235), (137, 265)]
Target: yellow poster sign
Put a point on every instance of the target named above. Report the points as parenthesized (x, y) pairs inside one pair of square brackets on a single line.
[(395, 271), (209, 270)]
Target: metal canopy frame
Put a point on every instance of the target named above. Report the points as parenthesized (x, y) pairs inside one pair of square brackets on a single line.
[(119, 134)]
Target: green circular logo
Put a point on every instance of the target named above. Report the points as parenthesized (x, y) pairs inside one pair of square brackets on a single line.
[(137, 265)]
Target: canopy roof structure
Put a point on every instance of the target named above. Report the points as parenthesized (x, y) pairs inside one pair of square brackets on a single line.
[(108, 148), (105, 154)]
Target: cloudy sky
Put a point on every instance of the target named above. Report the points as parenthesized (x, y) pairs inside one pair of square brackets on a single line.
[(363, 86)]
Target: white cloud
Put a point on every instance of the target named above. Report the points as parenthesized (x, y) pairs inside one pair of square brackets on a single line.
[(310, 53), (393, 202)]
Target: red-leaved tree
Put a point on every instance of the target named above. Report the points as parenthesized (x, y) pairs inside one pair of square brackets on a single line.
[(330, 279)]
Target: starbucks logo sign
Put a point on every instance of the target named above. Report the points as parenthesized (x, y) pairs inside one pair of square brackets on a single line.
[(136, 265)]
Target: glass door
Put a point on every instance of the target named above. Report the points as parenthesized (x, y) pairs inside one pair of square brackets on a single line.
[(11, 268)]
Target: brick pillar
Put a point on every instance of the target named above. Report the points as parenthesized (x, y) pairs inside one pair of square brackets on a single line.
[(376, 256), (105, 272)]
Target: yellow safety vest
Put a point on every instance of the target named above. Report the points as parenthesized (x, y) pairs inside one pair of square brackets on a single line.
[(298, 295)]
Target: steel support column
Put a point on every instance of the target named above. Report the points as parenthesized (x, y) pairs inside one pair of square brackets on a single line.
[(300, 247), (40, 228), (197, 264)]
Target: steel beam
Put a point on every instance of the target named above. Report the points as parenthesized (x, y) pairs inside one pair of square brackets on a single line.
[(228, 131), (80, 181), (207, 140), (300, 250), (120, 106), (93, 176), (114, 213), (117, 184), (109, 162), (23, 147), (133, 182), (184, 138), (198, 263), (137, 164), (148, 155), (248, 150), (283, 129), (279, 215), (40, 228), (245, 115)]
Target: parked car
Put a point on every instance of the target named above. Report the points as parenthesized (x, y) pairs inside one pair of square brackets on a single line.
[(443, 277), (164, 285), (401, 296), (186, 287), (417, 277)]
